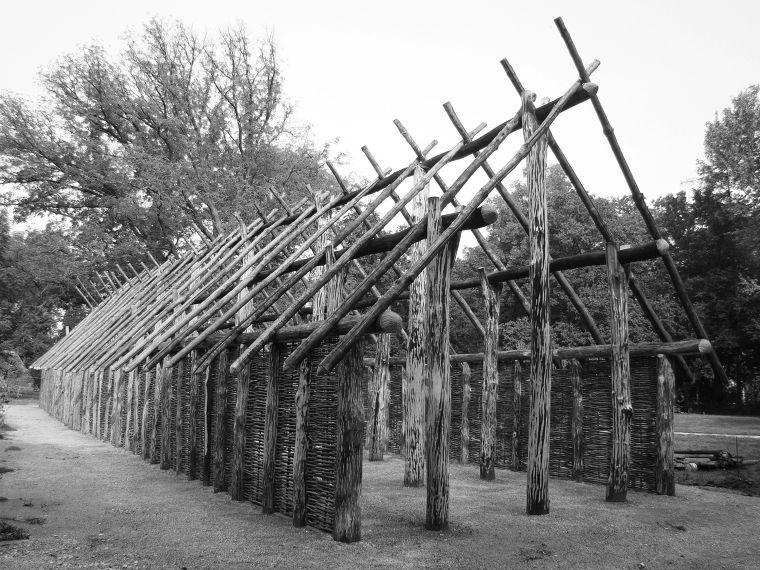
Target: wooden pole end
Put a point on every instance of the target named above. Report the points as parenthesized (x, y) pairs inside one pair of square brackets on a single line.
[(591, 88), (388, 321), (663, 246), (490, 214)]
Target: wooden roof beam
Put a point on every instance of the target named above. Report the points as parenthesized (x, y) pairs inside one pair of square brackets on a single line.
[(347, 341), (638, 199)]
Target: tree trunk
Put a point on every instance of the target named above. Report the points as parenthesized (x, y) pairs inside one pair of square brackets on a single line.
[(220, 425), (179, 425), (464, 428), (192, 435), (576, 418), (622, 412), (301, 447), (348, 475), (129, 433), (437, 377), (238, 445), (491, 294), (665, 483), (377, 429), (270, 431), (516, 413), (412, 399), (166, 418), (540, 333)]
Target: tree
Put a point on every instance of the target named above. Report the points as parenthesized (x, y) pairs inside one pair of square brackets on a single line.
[(35, 290), (571, 232), (717, 246), (159, 145)]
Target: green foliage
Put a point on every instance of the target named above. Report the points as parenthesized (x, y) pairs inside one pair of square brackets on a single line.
[(572, 232), (150, 151), (163, 143), (35, 290), (717, 248)]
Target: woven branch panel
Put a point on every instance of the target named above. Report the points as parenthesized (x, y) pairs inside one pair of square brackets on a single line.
[(86, 402), (597, 419)]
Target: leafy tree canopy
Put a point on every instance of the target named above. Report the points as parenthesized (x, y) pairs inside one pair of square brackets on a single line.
[(163, 142)]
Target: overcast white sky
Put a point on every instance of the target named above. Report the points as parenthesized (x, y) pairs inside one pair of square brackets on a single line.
[(352, 67)]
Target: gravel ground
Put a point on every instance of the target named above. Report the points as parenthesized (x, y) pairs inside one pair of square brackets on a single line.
[(87, 504)]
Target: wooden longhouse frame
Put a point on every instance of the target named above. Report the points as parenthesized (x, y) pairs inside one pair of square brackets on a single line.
[(241, 365)]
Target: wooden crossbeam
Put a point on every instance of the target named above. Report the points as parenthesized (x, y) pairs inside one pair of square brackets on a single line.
[(601, 226), (638, 199), (334, 357)]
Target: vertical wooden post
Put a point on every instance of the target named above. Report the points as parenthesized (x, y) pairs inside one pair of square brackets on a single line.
[(96, 402), (349, 421), (576, 418), (241, 400), (303, 392), (270, 430), (491, 294), (192, 432), (516, 413), (411, 385), (128, 432), (207, 419), (116, 409), (107, 386), (179, 423), (665, 483), (166, 419), (220, 425), (622, 411), (161, 393), (301, 446), (144, 422), (135, 413), (437, 376), (377, 429), (540, 331), (464, 428), (238, 445), (87, 411), (348, 473)]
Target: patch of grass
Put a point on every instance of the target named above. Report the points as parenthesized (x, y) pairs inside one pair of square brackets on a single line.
[(6, 469), (13, 448), (748, 448), (11, 532), (706, 423)]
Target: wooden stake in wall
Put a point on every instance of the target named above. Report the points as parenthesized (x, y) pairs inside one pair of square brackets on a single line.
[(166, 418), (192, 433), (437, 377), (348, 476), (320, 306), (270, 430), (540, 331), (665, 483), (491, 295), (411, 383), (622, 411), (220, 425), (516, 413), (464, 429), (377, 427), (576, 418), (349, 421)]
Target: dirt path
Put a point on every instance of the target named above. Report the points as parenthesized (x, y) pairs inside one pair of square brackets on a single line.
[(105, 508)]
